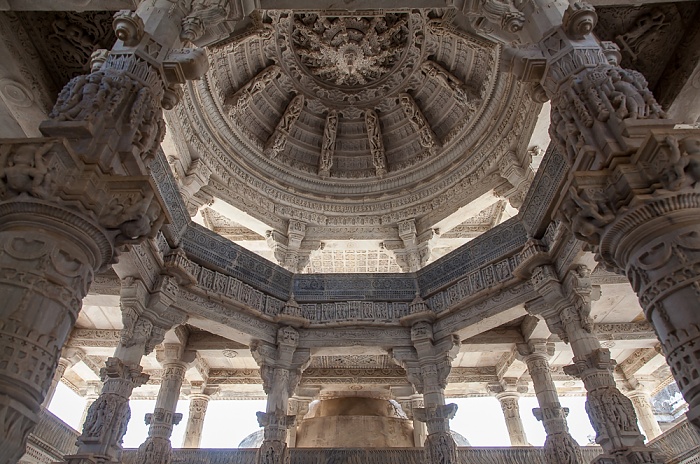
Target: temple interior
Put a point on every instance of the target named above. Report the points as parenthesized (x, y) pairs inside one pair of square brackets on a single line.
[(357, 212)]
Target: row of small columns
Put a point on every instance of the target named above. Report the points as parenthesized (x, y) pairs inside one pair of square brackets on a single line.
[(148, 318)]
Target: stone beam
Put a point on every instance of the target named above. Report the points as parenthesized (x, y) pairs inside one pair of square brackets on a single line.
[(624, 331), (643, 361), (349, 5), (109, 338), (492, 340), (315, 376)]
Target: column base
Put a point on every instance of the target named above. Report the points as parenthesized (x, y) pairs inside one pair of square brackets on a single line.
[(637, 455)]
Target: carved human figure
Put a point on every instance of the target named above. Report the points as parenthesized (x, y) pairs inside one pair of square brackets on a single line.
[(23, 169), (328, 144), (291, 114)]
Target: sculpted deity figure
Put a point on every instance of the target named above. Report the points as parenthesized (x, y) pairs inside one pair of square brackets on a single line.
[(376, 146), (292, 113), (23, 170), (328, 144)]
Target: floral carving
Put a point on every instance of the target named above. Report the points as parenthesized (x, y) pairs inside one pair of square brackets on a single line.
[(350, 51)]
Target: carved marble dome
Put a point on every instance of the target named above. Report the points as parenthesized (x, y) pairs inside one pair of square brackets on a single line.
[(355, 124)]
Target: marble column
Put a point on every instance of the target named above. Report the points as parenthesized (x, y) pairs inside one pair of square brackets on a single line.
[(157, 448), (69, 202), (91, 393), (565, 306), (63, 365), (645, 413), (428, 364), (631, 191), (195, 420), (559, 447), (146, 317), (280, 368), (298, 407), (508, 394)]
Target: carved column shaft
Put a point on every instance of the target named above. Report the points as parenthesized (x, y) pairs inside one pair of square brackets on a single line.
[(632, 190), (511, 413), (645, 413), (63, 365), (45, 271), (62, 216), (91, 395), (157, 448), (428, 367), (195, 420), (280, 368), (560, 447), (108, 417)]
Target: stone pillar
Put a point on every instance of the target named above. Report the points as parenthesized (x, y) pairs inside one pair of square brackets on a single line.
[(298, 407), (157, 448), (559, 447), (508, 394), (428, 364), (70, 201), (565, 307), (280, 368), (645, 413), (195, 422), (92, 392), (63, 365), (146, 318), (631, 189), (419, 430)]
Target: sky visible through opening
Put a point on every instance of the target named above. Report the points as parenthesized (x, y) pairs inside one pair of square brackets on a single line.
[(480, 420)]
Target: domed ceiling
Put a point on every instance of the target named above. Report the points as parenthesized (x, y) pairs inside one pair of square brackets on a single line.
[(371, 127)]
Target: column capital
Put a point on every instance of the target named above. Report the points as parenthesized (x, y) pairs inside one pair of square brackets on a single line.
[(147, 317), (535, 349)]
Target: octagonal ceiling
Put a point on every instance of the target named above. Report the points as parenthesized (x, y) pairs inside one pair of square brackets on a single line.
[(374, 127)]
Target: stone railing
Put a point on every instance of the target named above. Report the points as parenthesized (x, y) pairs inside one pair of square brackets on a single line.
[(50, 441), (505, 455), (679, 444)]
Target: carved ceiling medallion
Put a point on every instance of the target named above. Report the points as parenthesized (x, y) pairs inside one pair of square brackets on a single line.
[(350, 51), (350, 60)]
